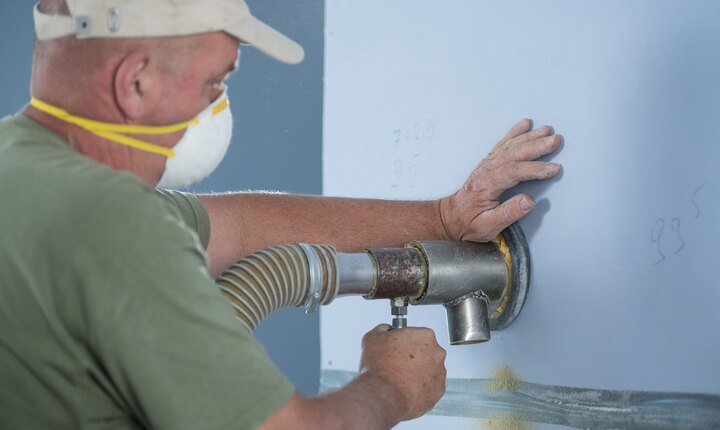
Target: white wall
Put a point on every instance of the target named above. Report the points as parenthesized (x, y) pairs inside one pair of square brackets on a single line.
[(624, 245)]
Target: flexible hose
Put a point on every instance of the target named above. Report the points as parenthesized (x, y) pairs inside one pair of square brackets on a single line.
[(282, 276)]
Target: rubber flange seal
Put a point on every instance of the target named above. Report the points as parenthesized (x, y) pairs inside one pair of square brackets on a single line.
[(520, 256)]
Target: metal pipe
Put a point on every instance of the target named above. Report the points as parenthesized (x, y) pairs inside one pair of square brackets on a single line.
[(401, 272), (458, 268), (357, 273), (483, 286)]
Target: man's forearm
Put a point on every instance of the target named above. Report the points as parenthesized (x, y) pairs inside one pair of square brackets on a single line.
[(242, 223), (365, 403)]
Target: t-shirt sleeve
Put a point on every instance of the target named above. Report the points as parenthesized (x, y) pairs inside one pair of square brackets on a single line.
[(191, 210), (172, 350)]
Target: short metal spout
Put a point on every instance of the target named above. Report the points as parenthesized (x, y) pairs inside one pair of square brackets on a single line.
[(468, 319)]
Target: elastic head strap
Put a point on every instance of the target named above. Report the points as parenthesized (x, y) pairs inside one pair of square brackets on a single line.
[(110, 131)]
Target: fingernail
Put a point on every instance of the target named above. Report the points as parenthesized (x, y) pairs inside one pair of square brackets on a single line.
[(553, 169), (526, 204)]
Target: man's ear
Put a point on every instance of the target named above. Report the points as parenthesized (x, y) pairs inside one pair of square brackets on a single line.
[(137, 85)]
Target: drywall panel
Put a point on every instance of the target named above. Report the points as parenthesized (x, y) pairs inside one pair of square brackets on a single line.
[(625, 292)]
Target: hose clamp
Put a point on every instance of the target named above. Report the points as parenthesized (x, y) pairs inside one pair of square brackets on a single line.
[(314, 267)]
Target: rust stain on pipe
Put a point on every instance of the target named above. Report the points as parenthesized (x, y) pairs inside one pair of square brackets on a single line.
[(401, 272)]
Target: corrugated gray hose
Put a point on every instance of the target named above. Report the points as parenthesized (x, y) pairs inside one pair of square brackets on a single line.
[(281, 276)]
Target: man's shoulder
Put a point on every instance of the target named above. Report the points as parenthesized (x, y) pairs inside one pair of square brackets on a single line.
[(115, 210), (54, 190), (34, 159)]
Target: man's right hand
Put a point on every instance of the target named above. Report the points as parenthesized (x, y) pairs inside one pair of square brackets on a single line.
[(410, 362), (402, 376)]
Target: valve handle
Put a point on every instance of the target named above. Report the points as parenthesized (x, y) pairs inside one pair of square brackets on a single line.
[(398, 308)]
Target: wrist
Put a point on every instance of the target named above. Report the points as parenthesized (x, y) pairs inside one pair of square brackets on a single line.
[(388, 401), (442, 210)]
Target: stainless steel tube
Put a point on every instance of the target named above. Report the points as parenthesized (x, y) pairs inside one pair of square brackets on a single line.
[(468, 320), (458, 268), (357, 273)]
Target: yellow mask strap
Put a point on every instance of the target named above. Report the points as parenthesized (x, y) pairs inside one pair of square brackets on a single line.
[(110, 131)]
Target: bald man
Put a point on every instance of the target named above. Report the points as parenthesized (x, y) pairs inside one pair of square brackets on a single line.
[(109, 311)]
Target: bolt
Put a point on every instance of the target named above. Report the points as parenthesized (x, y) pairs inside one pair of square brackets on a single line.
[(398, 308)]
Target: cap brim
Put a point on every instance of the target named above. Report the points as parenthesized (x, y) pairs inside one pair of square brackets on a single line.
[(267, 40)]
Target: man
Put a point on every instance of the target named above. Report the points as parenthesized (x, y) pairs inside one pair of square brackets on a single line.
[(109, 313)]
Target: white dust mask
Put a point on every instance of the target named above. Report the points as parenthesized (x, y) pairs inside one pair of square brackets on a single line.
[(202, 147), (195, 156)]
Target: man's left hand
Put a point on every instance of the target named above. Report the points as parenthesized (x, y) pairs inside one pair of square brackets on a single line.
[(474, 212)]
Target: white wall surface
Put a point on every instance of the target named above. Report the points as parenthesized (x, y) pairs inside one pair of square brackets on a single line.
[(625, 292)]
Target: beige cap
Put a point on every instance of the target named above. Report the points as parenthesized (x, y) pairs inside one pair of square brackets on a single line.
[(157, 18)]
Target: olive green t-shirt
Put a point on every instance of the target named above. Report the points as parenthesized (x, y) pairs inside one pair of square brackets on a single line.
[(108, 317)]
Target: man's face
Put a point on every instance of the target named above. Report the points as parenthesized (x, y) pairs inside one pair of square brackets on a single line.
[(192, 79), (188, 91)]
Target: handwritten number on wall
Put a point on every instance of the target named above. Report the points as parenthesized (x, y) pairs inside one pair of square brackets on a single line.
[(676, 228), (397, 173), (695, 193), (656, 236), (407, 143), (398, 136), (430, 129)]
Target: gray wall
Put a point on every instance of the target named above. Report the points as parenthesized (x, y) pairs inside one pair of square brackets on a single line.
[(276, 146)]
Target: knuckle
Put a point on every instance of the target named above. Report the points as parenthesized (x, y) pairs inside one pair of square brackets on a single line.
[(476, 177), (539, 149), (508, 214), (513, 166), (544, 171), (510, 150), (366, 339), (545, 146), (490, 163), (509, 169), (440, 357), (509, 143), (530, 170), (545, 130)]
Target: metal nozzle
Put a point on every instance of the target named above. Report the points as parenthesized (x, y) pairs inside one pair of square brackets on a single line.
[(468, 320), (483, 286)]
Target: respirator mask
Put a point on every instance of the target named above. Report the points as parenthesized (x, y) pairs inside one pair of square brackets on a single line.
[(196, 155)]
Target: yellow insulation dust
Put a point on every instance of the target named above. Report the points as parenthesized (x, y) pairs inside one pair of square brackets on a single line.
[(504, 379)]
